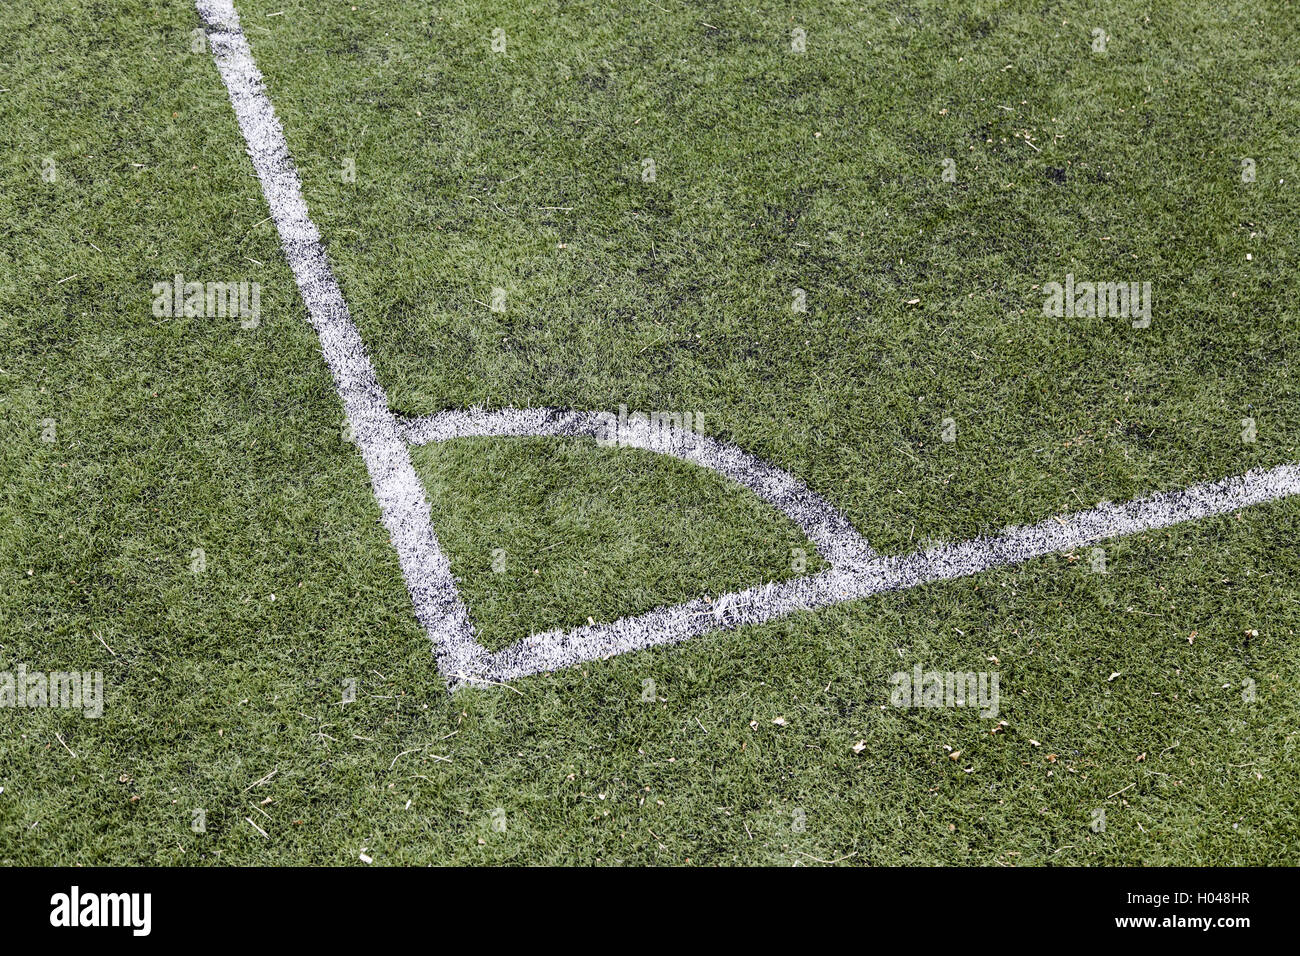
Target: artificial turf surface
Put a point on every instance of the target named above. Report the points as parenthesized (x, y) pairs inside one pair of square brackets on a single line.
[(774, 170)]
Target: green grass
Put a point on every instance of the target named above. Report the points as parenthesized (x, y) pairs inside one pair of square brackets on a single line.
[(823, 172), (177, 434), (554, 533)]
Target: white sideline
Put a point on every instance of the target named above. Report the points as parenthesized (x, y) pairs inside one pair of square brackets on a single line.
[(405, 511), (383, 439)]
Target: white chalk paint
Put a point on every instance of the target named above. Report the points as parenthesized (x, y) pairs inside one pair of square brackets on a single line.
[(402, 504), (671, 625), (837, 540), (856, 571)]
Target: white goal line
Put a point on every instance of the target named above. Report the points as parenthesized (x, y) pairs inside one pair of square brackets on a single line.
[(555, 649)]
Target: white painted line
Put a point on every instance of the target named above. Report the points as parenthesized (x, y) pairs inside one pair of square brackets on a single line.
[(383, 440), (556, 649), (405, 511), (837, 540)]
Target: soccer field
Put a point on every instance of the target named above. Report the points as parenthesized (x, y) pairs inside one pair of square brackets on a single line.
[(651, 433)]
